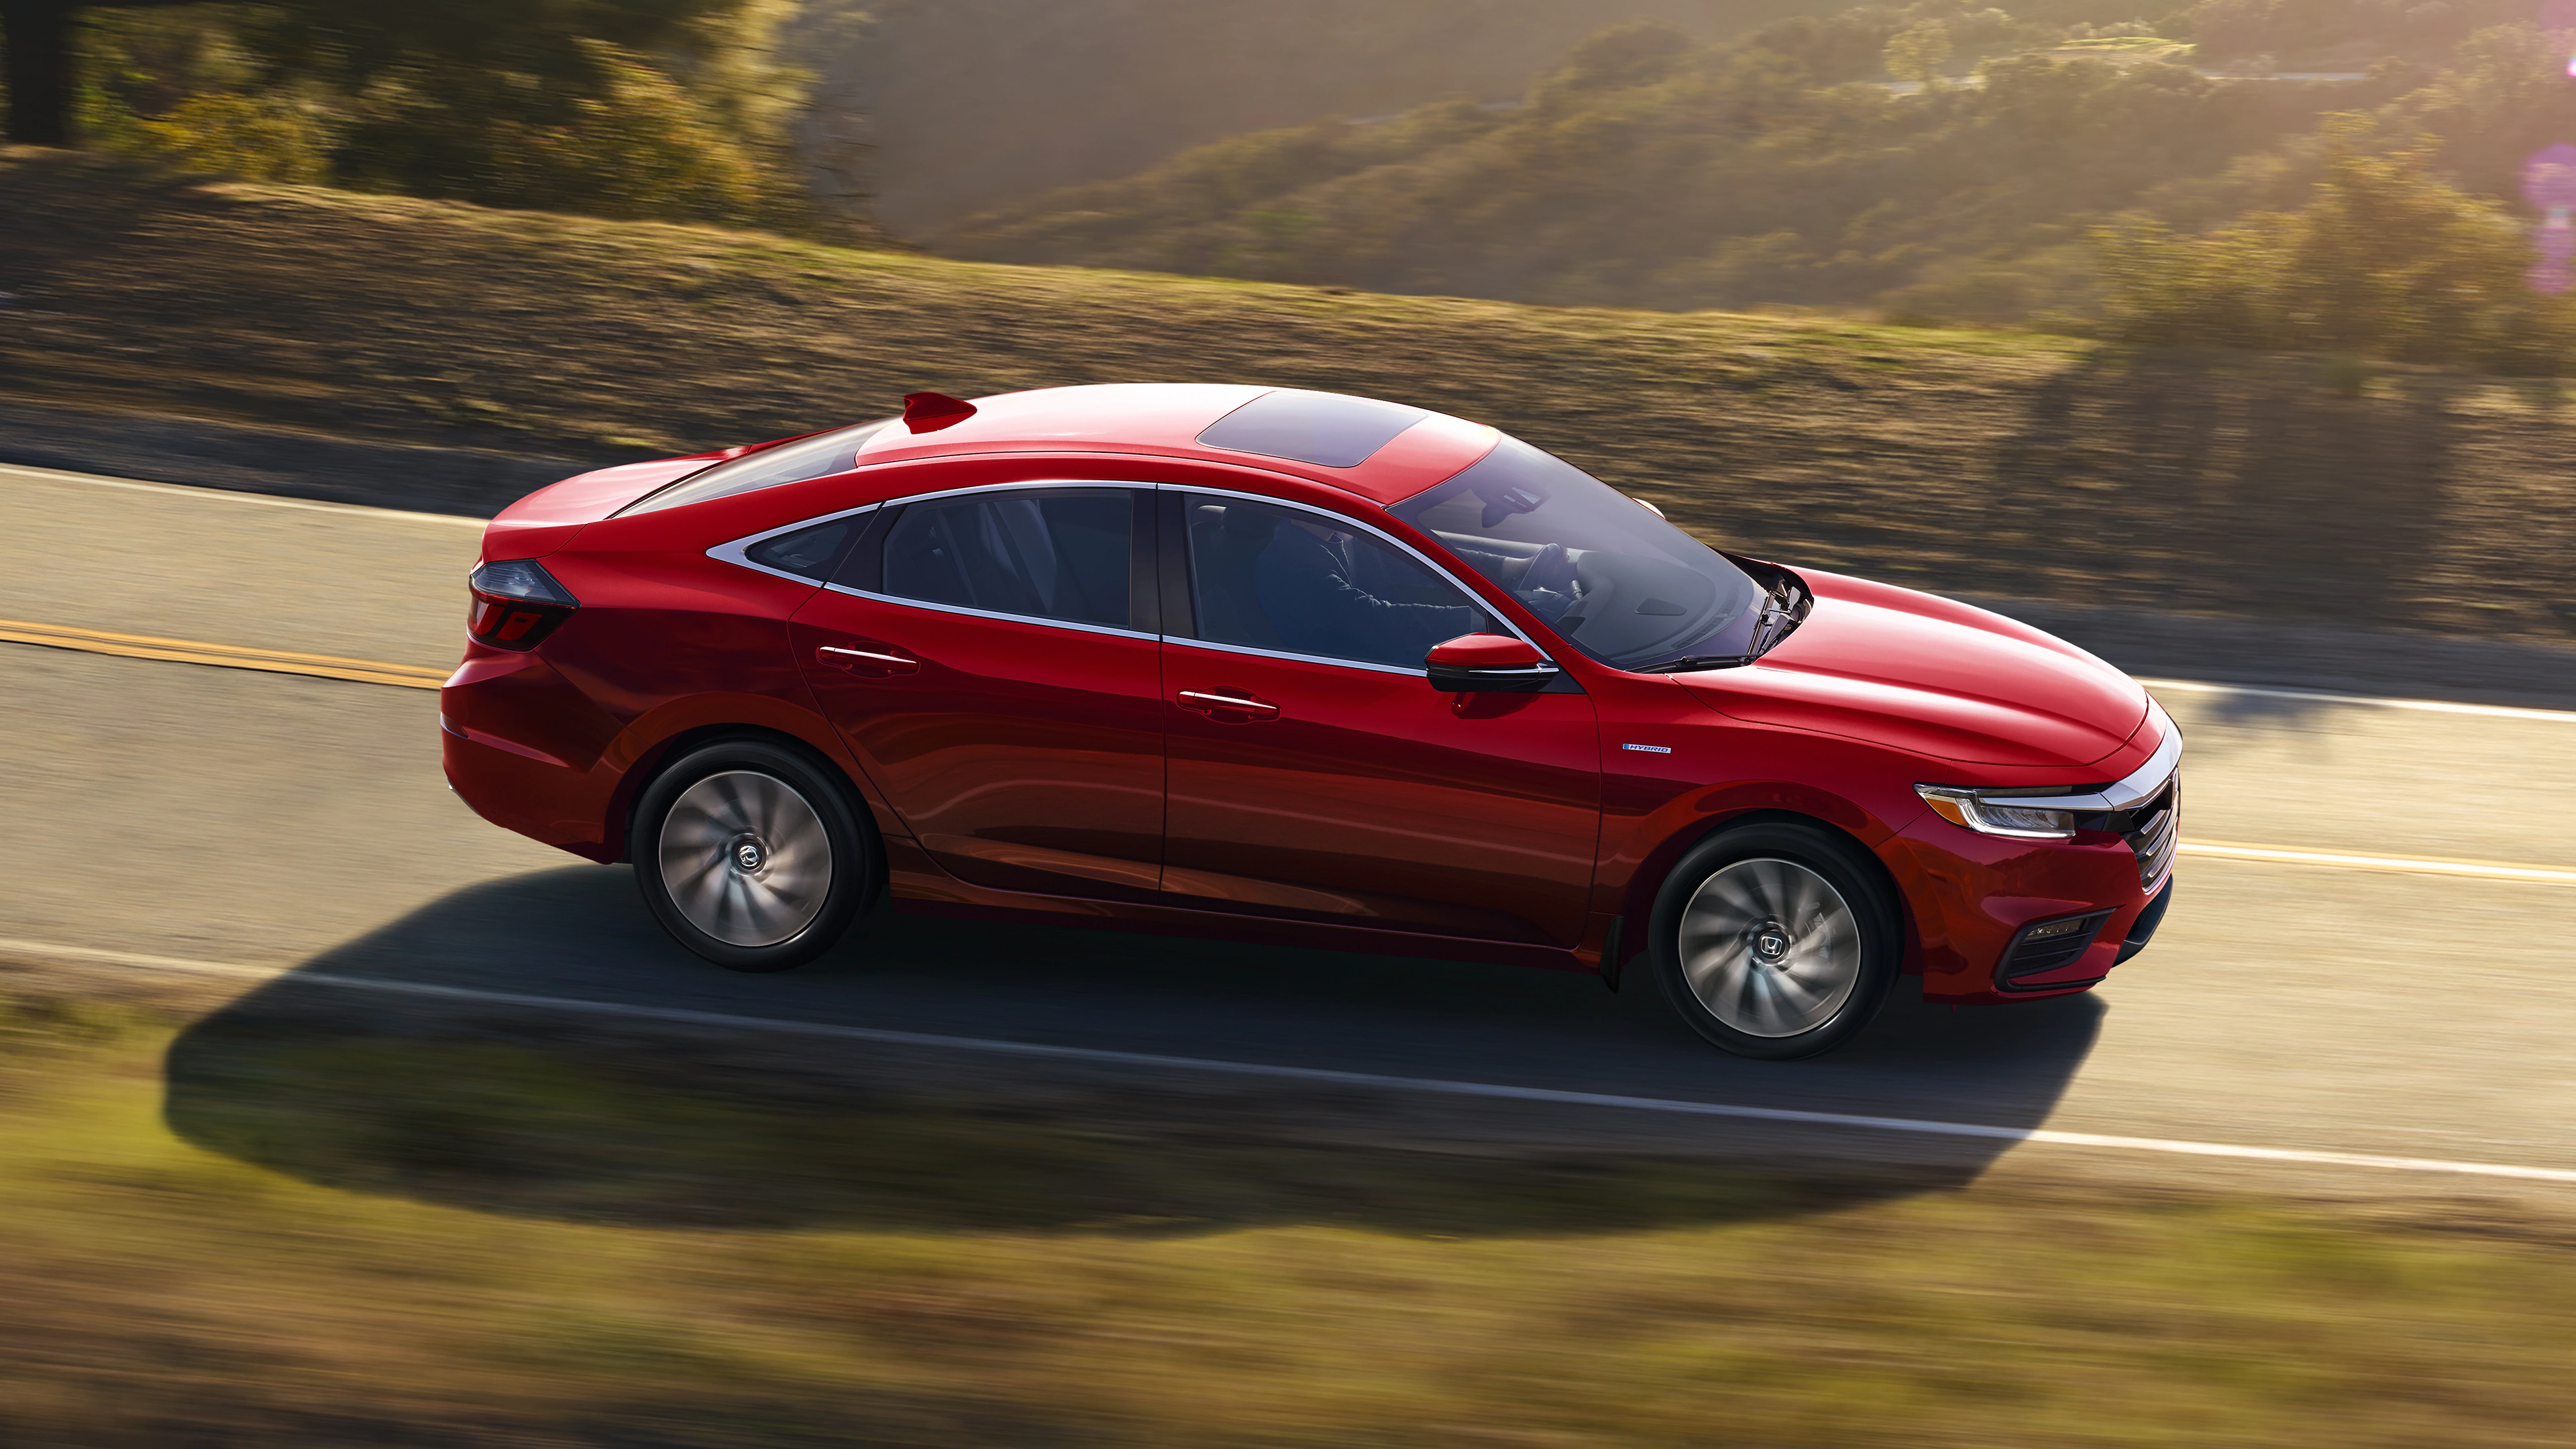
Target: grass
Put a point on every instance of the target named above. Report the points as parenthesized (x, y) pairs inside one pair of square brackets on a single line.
[(293, 1225), (1957, 459)]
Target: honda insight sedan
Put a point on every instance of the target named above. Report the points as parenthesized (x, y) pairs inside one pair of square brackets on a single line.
[(1262, 664)]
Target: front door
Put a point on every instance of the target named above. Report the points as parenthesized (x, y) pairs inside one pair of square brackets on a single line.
[(1314, 772), (992, 656)]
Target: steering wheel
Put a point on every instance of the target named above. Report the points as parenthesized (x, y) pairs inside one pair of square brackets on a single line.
[(1552, 570)]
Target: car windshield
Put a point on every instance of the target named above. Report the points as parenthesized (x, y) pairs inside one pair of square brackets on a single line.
[(1602, 569)]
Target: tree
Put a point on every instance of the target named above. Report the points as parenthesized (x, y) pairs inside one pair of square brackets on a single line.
[(464, 61), (2384, 261), (36, 52), (622, 107)]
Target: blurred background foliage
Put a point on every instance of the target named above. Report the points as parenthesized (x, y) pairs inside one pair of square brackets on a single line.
[(641, 109), (2385, 261), (2328, 174), (1936, 162)]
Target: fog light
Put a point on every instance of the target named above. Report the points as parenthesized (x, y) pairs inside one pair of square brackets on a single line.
[(2056, 928)]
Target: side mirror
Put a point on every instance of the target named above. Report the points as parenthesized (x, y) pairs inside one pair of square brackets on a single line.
[(1488, 664)]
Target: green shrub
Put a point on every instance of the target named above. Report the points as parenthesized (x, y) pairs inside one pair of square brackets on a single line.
[(255, 137), (2384, 262), (635, 109), (638, 147)]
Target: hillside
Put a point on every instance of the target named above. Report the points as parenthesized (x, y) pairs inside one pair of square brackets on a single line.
[(980, 103), (1959, 460), (1794, 164)]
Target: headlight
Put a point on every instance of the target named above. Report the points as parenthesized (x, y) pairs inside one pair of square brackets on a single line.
[(1989, 816)]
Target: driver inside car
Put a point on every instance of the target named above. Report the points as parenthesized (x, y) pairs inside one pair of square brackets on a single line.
[(1324, 592)]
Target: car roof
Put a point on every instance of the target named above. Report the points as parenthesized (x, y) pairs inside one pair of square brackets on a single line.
[(1166, 419)]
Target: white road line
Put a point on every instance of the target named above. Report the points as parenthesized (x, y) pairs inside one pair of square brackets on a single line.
[(20, 473), (1488, 1090), (2428, 706), (2482, 870)]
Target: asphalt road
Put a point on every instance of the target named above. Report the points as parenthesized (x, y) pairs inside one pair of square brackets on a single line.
[(235, 816)]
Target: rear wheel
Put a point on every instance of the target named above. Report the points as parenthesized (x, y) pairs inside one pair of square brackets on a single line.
[(751, 855), (1774, 940)]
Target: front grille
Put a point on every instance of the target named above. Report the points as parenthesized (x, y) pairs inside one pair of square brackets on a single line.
[(2160, 829), (2151, 827), (2049, 945)]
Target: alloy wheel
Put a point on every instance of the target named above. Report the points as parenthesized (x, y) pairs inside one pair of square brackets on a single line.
[(1770, 947), (746, 858)]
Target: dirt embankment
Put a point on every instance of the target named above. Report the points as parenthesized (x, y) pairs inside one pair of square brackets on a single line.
[(1984, 463)]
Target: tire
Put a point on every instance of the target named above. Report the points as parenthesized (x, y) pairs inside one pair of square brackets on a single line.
[(752, 855), (1775, 940)]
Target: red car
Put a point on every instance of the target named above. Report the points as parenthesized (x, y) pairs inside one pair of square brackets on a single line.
[(1273, 665)]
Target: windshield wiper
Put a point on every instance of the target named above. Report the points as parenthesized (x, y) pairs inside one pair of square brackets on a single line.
[(1779, 612), (1696, 661)]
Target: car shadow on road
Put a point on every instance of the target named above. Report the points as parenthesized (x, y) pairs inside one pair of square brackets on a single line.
[(515, 1108)]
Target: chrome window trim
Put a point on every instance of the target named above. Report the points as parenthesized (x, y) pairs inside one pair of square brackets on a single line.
[(738, 551), (1427, 561), (1258, 653), (1074, 624), (1103, 485), (2140, 786)]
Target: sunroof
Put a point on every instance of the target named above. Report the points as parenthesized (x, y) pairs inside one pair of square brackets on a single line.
[(1311, 427)]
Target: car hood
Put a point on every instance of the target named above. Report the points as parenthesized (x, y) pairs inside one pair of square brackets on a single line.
[(1932, 676)]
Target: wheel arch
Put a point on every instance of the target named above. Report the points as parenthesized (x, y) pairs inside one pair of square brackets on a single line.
[(657, 757), (1637, 903)]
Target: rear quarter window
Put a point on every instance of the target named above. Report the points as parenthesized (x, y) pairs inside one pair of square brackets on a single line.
[(808, 552)]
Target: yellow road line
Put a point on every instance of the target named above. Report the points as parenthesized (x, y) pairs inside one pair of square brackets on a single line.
[(227, 656), (2478, 869), (408, 676)]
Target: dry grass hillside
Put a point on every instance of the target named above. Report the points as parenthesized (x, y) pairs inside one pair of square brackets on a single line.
[(980, 103), (1965, 461)]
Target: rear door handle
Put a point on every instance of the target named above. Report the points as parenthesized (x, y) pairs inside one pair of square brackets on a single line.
[(1227, 706), (867, 661)]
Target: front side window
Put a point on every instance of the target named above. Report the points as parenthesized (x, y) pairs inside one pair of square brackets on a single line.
[(1281, 579), (1617, 581), (1054, 553)]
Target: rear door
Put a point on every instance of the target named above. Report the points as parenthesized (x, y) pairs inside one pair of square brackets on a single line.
[(991, 653), (1314, 772)]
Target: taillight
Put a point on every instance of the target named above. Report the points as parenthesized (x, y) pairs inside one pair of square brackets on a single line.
[(516, 604)]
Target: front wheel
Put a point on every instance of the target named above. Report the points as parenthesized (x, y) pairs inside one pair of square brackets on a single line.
[(751, 855), (1775, 940)]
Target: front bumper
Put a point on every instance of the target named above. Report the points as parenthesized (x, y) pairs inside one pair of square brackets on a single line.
[(1988, 912), (2142, 928)]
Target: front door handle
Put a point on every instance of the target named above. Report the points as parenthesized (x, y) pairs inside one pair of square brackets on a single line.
[(881, 660), (1226, 706)]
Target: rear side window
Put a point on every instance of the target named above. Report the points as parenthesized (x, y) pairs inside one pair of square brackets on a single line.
[(808, 552), (1287, 580), (1053, 553)]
